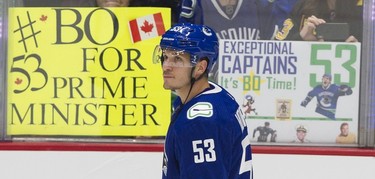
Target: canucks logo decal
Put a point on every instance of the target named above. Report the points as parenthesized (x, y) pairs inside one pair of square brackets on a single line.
[(202, 109)]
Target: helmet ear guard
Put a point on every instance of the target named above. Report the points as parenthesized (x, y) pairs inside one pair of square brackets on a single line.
[(157, 55)]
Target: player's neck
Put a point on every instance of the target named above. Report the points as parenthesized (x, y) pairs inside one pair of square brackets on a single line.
[(326, 87), (198, 87)]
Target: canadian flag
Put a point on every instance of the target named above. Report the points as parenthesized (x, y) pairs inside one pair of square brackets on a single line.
[(146, 27)]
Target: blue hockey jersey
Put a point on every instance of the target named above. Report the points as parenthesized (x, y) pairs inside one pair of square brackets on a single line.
[(208, 138), (327, 98), (238, 20)]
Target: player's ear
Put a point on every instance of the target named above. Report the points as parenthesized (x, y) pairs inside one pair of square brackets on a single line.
[(201, 67)]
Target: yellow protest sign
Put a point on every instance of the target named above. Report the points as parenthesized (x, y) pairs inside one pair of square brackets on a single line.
[(86, 72)]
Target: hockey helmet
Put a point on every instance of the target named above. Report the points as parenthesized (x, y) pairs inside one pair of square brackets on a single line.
[(200, 41)]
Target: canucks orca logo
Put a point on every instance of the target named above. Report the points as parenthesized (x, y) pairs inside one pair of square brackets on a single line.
[(326, 101), (202, 109), (207, 31)]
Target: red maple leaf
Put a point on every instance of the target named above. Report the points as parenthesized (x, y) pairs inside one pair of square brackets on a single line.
[(18, 81), (147, 27), (43, 18)]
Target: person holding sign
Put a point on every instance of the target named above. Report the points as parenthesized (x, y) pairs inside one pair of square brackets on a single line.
[(207, 136), (113, 3)]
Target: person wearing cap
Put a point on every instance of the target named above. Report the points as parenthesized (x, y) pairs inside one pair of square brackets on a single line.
[(207, 136), (301, 135)]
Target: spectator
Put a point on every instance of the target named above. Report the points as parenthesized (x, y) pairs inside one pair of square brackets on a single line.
[(78, 3), (231, 19), (113, 3), (173, 4), (272, 15), (59, 3), (307, 15), (40, 3)]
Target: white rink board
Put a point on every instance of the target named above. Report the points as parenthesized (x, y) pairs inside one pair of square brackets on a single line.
[(147, 165)]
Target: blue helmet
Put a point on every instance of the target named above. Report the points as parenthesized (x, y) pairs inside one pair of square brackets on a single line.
[(198, 40)]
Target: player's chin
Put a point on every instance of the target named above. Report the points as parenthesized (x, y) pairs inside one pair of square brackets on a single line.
[(167, 86)]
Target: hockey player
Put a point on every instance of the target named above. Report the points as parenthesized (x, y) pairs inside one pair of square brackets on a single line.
[(327, 95), (207, 136)]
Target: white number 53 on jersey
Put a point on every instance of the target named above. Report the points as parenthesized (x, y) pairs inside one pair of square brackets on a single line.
[(204, 150)]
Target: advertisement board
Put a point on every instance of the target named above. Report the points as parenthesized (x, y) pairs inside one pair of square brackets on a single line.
[(294, 91)]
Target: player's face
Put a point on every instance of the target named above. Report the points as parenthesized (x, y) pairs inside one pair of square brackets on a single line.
[(326, 81), (113, 3), (177, 68)]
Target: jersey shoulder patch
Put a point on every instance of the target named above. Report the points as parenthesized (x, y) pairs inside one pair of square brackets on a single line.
[(200, 109)]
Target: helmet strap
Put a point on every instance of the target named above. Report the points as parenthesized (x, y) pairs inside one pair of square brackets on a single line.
[(192, 81)]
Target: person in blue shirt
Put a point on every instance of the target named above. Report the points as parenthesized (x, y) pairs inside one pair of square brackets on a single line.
[(231, 19), (207, 137), (272, 15)]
